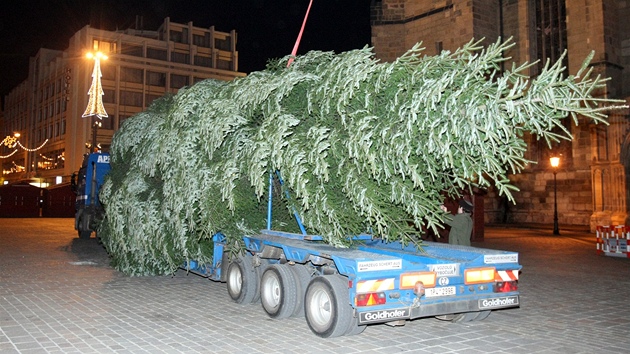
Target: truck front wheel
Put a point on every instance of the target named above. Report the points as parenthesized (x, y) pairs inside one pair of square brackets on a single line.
[(83, 226), (242, 280), (326, 306)]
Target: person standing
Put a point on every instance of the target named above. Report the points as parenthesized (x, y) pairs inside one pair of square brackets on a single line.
[(461, 224)]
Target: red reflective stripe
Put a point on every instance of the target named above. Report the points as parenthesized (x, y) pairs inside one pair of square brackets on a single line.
[(506, 275)]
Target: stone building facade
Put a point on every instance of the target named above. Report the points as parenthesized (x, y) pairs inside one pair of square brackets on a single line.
[(593, 180), (142, 66)]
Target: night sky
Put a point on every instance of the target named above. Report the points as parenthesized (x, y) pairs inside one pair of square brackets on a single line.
[(265, 28)]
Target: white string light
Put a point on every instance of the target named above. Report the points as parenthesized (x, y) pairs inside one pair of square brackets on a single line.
[(9, 155), (12, 142), (31, 150)]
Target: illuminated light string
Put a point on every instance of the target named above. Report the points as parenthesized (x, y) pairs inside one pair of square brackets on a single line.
[(12, 142), (9, 155), (31, 150)]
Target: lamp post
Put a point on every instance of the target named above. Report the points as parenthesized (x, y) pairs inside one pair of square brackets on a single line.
[(555, 162), (95, 106)]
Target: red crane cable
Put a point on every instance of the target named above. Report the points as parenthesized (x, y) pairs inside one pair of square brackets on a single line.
[(297, 42)]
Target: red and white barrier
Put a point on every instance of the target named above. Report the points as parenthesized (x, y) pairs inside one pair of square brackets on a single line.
[(613, 240)]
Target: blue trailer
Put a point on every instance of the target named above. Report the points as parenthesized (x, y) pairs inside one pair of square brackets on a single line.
[(87, 183), (342, 290)]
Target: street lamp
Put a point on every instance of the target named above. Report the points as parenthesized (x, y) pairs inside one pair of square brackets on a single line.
[(555, 162), (95, 106)]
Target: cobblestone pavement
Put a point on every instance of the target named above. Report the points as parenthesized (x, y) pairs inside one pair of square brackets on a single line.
[(59, 295)]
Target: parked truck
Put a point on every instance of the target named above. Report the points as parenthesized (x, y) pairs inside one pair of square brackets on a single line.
[(341, 290), (87, 184)]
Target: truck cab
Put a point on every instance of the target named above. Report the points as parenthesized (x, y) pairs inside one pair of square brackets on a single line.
[(87, 184)]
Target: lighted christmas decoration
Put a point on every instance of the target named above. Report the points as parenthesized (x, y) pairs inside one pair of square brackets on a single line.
[(95, 103), (12, 142)]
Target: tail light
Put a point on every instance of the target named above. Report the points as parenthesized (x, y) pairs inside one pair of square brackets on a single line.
[(479, 275), (409, 280), (370, 299), (505, 286)]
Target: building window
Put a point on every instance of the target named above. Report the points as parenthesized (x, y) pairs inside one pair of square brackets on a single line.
[(159, 54), (130, 98), (51, 160), (133, 50), (551, 31), (203, 61), (131, 75), (176, 36), (108, 122), (103, 46), (223, 44), (183, 58), (224, 64), (156, 79), (108, 72), (201, 41), (109, 96), (178, 81)]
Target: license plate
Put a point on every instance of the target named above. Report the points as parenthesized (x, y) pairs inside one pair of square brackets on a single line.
[(444, 291)]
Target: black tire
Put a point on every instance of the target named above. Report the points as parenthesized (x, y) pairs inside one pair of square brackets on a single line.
[(327, 308), (303, 276), (85, 234), (465, 317), (482, 315), (264, 264), (242, 280), (459, 317), (83, 229), (278, 291), (355, 328)]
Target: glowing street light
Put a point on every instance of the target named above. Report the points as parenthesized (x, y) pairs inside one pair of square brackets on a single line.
[(95, 106), (555, 162)]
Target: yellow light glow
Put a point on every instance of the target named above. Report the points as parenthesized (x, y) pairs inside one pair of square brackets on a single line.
[(555, 161), (97, 55), (409, 280), (479, 275)]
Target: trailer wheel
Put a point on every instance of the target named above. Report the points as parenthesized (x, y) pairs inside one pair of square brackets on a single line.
[(482, 315), (327, 308), (459, 317), (83, 227), (242, 281), (264, 263), (355, 328), (303, 276), (279, 291), (85, 234)]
